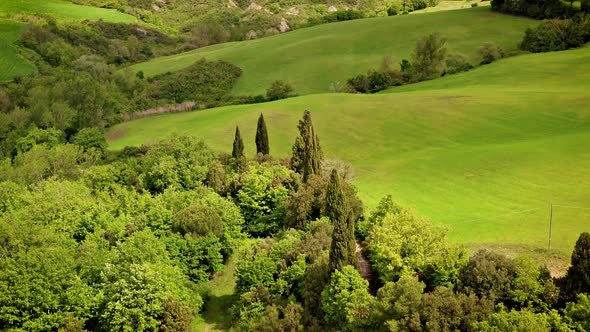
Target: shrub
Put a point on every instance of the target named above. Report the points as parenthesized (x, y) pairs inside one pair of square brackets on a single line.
[(198, 220), (554, 35), (428, 57), (91, 139), (490, 52), (456, 63), (474, 4), (279, 90), (204, 82)]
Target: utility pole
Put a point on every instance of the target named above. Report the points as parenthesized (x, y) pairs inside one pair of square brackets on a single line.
[(550, 225)]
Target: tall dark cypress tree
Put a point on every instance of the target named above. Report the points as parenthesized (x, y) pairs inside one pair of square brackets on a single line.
[(577, 279), (307, 154), (262, 145), (238, 150), (342, 251)]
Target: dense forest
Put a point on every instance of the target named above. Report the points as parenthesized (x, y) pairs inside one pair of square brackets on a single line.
[(95, 240)]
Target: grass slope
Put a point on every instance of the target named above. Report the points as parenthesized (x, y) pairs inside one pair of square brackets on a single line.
[(62, 9), (313, 58), (484, 151), (11, 62)]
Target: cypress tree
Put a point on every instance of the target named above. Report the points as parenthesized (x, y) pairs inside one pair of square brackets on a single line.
[(238, 150), (306, 153), (342, 251), (262, 145), (577, 279)]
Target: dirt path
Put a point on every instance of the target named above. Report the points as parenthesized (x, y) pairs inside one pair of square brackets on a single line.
[(366, 271), (216, 315)]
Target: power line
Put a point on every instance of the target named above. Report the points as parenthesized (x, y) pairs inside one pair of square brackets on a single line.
[(494, 218), (573, 207)]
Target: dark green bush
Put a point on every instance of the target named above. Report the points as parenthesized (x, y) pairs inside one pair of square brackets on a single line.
[(202, 82), (490, 52), (556, 35), (279, 90)]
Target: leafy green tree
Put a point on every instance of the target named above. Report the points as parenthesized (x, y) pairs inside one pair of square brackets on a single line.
[(91, 139), (522, 321), (198, 220), (262, 145), (279, 90), (261, 198), (577, 314), (238, 147), (180, 162), (428, 59), (577, 278), (490, 52), (488, 274), (49, 137), (306, 153), (343, 248), (400, 242), (399, 303), (346, 300)]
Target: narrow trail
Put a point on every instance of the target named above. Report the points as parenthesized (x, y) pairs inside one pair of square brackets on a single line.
[(365, 267), (216, 315)]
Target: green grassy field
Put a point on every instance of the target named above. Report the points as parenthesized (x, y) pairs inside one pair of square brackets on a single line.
[(313, 58), (11, 62), (484, 151), (62, 9)]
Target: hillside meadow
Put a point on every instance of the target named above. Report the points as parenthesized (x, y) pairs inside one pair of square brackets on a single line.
[(62, 9), (313, 58), (484, 152), (11, 62)]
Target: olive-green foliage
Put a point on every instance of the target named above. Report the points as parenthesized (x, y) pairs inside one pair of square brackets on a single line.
[(490, 52), (577, 315), (238, 146), (343, 247), (261, 197), (400, 242), (557, 35), (346, 300), (91, 139), (402, 306), (525, 321), (428, 59), (307, 203), (262, 145), (39, 286), (204, 82), (198, 220), (488, 274), (307, 153), (577, 279), (535, 9), (274, 264), (456, 63), (279, 90), (177, 162), (49, 137), (198, 258)]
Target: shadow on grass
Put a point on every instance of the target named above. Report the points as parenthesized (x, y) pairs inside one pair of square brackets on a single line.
[(217, 313)]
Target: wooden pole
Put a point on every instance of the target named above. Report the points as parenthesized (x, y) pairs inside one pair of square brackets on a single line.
[(550, 225)]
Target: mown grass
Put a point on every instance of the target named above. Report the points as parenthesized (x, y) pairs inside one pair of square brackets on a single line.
[(312, 58), (11, 62), (484, 152), (63, 10)]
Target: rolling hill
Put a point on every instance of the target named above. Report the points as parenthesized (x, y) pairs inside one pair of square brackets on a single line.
[(484, 152), (313, 58), (62, 9), (11, 62)]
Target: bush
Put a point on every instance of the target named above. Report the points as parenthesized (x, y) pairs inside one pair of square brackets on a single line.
[(490, 52), (279, 90), (474, 4), (198, 220), (456, 63), (428, 57), (554, 35), (203, 82)]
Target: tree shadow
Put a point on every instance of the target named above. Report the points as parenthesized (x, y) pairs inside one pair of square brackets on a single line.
[(217, 311)]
